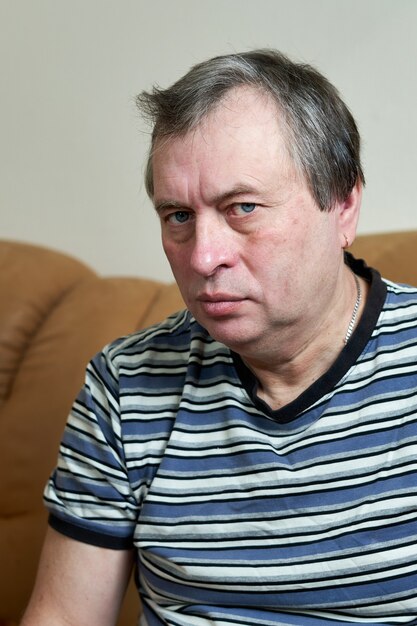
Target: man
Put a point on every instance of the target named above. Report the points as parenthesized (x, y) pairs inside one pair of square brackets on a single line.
[(254, 455)]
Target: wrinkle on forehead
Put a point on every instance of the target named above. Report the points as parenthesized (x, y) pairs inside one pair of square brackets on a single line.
[(245, 121), (226, 112)]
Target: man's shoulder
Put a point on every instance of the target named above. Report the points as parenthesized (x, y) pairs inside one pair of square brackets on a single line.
[(171, 333), (170, 340), (400, 294), (399, 315)]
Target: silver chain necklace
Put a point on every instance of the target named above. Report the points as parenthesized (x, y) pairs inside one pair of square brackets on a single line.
[(355, 309)]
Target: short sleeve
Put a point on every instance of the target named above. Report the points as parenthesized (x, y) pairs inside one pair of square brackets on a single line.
[(88, 495)]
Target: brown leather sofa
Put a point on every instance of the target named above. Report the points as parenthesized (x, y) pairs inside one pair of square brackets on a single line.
[(55, 313)]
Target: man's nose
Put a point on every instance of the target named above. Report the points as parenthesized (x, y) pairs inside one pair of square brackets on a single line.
[(213, 246)]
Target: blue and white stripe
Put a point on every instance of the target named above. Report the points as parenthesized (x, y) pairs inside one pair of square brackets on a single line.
[(240, 517)]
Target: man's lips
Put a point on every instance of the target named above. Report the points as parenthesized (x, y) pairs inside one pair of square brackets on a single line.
[(219, 304)]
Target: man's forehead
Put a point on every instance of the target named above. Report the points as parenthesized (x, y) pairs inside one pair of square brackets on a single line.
[(239, 106), (244, 118), (231, 147), (245, 108)]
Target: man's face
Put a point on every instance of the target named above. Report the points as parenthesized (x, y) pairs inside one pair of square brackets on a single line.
[(255, 259)]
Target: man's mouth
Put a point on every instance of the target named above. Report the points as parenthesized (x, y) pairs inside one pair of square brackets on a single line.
[(219, 304)]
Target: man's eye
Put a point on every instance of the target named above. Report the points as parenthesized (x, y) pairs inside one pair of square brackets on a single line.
[(179, 217), (245, 207)]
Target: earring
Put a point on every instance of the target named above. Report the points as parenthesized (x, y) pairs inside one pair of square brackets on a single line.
[(346, 241)]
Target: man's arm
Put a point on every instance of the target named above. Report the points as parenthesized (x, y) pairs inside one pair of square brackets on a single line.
[(78, 584)]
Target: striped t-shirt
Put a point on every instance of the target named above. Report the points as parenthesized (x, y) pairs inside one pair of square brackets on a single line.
[(241, 515)]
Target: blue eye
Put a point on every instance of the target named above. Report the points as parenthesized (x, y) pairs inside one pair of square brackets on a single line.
[(247, 207), (179, 217)]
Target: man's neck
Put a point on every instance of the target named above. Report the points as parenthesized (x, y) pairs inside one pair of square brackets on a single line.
[(300, 361)]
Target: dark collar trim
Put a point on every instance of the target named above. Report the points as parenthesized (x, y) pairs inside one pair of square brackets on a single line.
[(348, 356)]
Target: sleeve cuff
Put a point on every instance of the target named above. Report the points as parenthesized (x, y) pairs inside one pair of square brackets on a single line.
[(91, 537)]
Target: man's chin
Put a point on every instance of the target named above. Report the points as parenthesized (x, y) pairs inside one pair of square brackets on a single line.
[(233, 333)]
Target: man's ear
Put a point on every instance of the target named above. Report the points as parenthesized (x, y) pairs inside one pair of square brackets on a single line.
[(348, 215)]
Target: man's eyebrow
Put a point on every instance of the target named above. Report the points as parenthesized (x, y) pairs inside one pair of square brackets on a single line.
[(168, 204), (220, 198), (238, 190)]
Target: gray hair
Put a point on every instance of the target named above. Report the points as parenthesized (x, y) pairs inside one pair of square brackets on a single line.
[(321, 135)]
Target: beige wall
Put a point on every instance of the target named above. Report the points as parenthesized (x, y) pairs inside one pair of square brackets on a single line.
[(72, 145)]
